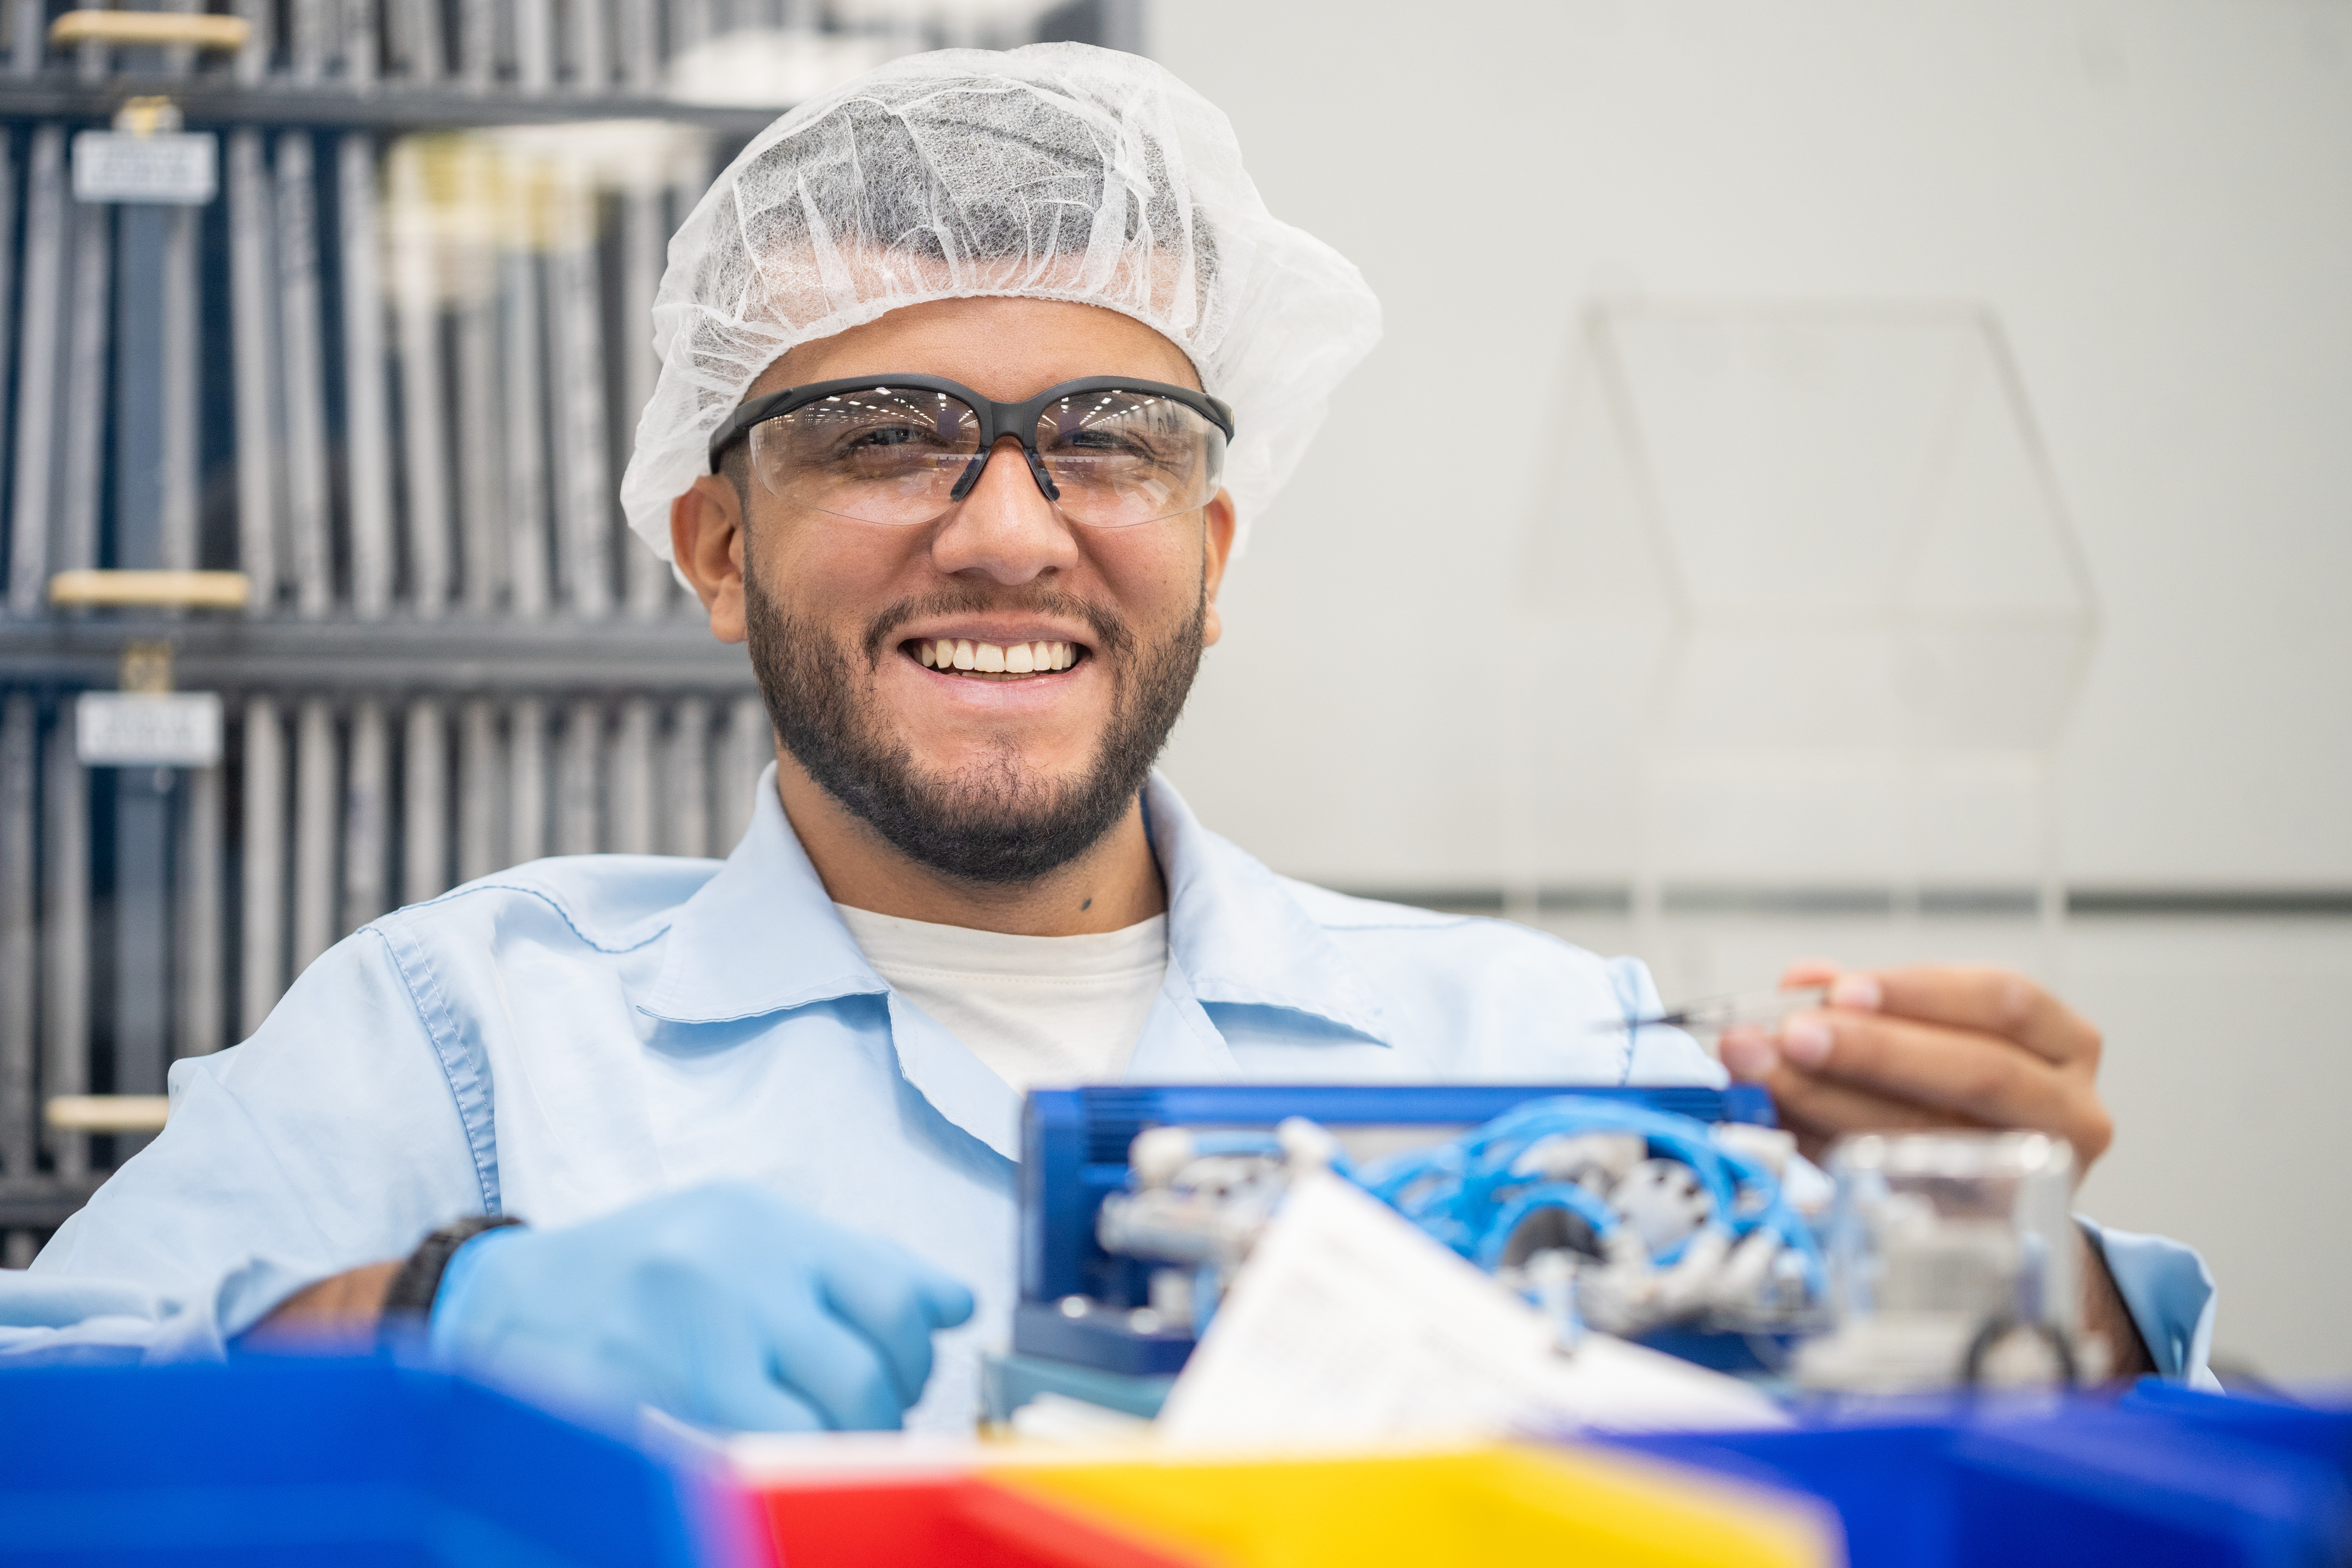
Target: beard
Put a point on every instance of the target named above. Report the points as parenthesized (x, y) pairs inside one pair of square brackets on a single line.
[(995, 821)]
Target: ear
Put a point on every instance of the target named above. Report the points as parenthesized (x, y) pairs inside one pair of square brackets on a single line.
[(706, 536), (1219, 516)]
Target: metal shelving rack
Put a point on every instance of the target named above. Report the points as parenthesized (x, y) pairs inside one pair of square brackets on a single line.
[(390, 372)]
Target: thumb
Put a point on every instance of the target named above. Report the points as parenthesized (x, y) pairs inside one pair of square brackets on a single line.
[(946, 1301)]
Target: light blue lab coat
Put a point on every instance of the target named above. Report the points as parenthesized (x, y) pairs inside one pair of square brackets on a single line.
[(574, 1034)]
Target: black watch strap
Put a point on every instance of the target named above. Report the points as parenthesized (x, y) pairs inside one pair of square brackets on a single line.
[(419, 1279)]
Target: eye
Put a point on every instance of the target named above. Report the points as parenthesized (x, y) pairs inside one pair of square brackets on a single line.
[(1131, 434), (887, 436), (1105, 438), (892, 444)]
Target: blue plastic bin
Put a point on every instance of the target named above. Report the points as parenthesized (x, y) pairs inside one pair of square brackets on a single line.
[(284, 1460), (2321, 1432), (2163, 1477)]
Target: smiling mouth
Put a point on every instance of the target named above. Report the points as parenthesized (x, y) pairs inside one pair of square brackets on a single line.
[(994, 662)]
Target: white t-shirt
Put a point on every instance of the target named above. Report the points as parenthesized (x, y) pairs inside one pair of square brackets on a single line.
[(1036, 1009)]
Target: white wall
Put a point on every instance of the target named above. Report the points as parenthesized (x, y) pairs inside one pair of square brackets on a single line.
[(2155, 198)]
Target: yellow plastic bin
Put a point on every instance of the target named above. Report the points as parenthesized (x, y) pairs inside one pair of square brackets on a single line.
[(1481, 1506)]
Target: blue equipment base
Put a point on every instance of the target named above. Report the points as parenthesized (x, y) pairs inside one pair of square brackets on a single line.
[(1074, 1154), (1100, 1339), (1010, 1382)]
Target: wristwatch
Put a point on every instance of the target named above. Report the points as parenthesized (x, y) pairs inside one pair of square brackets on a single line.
[(409, 1302)]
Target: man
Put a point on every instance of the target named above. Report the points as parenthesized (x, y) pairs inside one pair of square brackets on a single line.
[(972, 375)]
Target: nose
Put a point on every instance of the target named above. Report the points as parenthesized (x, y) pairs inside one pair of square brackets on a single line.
[(1004, 530)]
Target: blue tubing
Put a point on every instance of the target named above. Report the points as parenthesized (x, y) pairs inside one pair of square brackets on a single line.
[(1567, 1195), (1472, 1200)]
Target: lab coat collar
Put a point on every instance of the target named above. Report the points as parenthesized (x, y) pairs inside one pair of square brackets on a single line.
[(959, 1086), (1238, 936), (761, 936)]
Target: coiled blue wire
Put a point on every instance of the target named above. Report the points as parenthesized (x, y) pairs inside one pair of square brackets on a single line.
[(1466, 1194), (1586, 1206)]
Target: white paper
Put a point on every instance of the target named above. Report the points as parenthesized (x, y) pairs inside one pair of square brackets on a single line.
[(1350, 1326)]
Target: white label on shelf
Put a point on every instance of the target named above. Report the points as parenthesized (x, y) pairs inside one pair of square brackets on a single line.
[(181, 167), (148, 730)]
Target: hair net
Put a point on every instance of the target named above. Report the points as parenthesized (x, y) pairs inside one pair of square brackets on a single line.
[(1055, 172)]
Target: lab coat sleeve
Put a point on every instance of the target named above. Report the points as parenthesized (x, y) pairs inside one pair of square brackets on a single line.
[(1656, 1055), (331, 1139), (2169, 1293)]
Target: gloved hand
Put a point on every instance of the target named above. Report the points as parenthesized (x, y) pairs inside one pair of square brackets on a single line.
[(724, 1306)]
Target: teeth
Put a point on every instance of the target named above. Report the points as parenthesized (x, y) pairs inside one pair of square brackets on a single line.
[(992, 658)]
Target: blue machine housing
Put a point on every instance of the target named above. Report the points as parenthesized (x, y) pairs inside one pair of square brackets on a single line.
[(1074, 1144)]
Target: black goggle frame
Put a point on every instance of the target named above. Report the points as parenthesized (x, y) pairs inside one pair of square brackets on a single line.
[(997, 420)]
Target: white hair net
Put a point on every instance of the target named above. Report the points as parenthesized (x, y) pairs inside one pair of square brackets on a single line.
[(1055, 172)]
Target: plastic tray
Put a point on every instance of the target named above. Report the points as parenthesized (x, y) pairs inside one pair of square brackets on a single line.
[(284, 1461), (964, 1520), (1468, 1508), (2164, 1476)]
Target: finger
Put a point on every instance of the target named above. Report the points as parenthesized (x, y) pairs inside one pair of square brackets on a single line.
[(1980, 1076), (1825, 1109), (1820, 1113), (837, 1371), (1806, 972), (724, 1379), (946, 1300), (1747, 1053), (1986, 1000), (753, 1403), (897, 1302)]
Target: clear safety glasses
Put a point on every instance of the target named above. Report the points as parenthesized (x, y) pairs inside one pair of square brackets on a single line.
[(1107, 453)]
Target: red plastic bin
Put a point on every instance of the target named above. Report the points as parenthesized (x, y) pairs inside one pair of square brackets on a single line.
[(898, 1522)]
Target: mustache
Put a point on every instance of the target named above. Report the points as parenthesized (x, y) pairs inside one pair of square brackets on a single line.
[(1112, 634)]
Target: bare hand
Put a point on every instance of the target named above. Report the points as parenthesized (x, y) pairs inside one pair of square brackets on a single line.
[(1926, 1047), (1936, 1045)]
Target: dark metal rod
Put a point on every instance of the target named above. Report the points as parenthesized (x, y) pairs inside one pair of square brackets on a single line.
[(33, 499), (19, 932), (65, 935)]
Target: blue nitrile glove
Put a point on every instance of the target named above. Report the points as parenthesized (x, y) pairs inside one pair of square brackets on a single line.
[(725, 1306)]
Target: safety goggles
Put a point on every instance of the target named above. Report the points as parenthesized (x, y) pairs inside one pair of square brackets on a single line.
[(1107, 452)]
